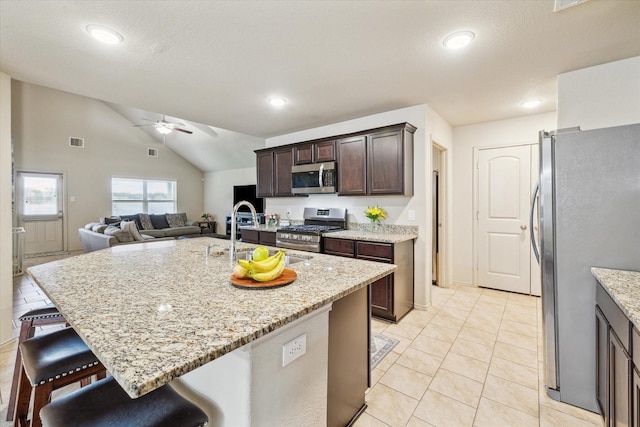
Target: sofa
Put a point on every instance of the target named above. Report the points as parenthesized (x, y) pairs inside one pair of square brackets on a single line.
[(138, 228)]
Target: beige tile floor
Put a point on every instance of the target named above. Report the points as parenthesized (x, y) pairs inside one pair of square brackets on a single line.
[(472, 359)]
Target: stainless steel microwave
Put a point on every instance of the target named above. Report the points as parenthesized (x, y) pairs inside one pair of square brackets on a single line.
[(313, 178)]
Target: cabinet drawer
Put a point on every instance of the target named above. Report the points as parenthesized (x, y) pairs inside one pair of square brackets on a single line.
[(339, 247), (268, 238), (614, 315), (250, 236), (378, 251)]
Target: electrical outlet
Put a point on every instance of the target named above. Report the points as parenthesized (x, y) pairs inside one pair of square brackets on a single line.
[(293, 349), (288, 211), (412, 215)]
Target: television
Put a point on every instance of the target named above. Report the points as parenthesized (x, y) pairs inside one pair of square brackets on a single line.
[(248, 193)]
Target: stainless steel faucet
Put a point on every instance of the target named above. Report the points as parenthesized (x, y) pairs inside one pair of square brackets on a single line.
[(232, 249)]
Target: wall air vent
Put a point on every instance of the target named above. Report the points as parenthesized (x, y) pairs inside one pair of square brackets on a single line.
[(76, 142), (152, 152), (565, 4)]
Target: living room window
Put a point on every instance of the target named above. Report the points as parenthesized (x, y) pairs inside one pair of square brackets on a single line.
[(132, 196)]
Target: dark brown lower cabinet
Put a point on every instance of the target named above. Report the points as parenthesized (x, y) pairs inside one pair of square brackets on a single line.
[(382, 296), (259, 237), (617, 387)]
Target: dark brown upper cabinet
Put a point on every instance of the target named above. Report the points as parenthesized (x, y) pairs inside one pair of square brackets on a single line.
[(380, 162), (314, 152), (274, 172)]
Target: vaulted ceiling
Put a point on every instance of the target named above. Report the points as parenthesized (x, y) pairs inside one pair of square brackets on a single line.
[(216, 62)]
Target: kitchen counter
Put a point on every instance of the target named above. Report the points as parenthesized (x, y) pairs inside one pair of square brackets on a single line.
[(153, 312), (624, 287), (371, 236)]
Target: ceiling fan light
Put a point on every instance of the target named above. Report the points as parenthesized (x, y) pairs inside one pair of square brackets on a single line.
[(105, 34), (165, 130), (458, 39)]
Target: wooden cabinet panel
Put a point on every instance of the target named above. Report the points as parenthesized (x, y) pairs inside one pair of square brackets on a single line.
[(619, 383), (376, 251), (635, 395), (324, 151), (283, 160), (250, 236), (385, 163), (602, 351), (264, 166), (303, 154), (268, 238), (352, 166), (340, 247), (382, 298)]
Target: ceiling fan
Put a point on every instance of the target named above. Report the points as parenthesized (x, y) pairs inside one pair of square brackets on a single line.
[(165, 127)]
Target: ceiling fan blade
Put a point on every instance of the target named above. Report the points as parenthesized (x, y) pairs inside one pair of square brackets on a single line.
[(137, 126), (149, 120), (183, 130)]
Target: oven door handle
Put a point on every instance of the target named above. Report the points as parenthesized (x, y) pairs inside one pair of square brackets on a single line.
[(300, 246)]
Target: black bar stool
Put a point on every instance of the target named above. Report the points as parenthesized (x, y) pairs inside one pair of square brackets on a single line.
[(47, 315), (49, 362), (105, 403)]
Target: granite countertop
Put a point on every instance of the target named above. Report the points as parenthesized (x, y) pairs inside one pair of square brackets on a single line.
[(152, 312), (385, 237), (624, 288)]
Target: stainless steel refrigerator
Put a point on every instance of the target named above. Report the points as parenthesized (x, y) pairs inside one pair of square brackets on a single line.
[(589, 215)]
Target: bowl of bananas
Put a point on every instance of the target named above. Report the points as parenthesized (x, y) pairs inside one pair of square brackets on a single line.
[(260, 269)]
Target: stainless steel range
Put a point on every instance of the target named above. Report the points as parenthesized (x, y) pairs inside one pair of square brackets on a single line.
[(308, 237)]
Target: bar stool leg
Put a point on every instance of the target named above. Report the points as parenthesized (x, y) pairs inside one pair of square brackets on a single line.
[(22, 400)]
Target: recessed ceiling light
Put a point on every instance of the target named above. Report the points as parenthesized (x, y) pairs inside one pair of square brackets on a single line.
[(105, 34), (277, 101), (458, 39), (531, 103)]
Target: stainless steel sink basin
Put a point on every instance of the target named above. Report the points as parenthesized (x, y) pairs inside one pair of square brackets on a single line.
[(288, 259)]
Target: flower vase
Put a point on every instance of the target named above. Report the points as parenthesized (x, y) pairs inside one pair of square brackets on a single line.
[(375, 226)]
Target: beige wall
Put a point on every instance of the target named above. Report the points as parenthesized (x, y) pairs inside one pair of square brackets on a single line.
[(44, 119), (602, 96), (521, 130), (6, 261), (218, 192)]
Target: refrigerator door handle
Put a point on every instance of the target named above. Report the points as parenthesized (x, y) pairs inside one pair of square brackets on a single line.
[(531, 229)]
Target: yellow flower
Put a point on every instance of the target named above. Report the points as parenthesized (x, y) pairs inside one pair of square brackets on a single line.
[(375, 213)]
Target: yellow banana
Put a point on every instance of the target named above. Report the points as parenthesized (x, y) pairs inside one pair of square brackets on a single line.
[(269, 275), (268, 259), (266, 265), (244, 263)]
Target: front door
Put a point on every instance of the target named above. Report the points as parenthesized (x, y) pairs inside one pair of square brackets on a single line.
[(503, 249), (39, 203)]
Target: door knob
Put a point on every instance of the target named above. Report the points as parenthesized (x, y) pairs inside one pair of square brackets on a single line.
[(523, 227)]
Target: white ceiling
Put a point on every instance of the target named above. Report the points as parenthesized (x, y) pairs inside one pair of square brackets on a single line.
[(216, 62)]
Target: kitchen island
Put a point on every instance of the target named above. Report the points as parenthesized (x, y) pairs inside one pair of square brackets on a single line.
[(163, 312)]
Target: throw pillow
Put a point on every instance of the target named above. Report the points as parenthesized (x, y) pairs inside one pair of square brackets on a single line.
[(99, 228), (114, 220), (184, 217), (130, 226), (175, 220), (135, 218), (145, 220), (159, 221), (123, 236), (90, 225)]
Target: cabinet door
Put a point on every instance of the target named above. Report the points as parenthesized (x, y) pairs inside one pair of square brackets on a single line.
[(602, 350), (385, 163), (352, 166), (619, 383), (303, 154), (635, 395), (283, 160), (264, 166), (382, 298), (324, 151), (268, 238)]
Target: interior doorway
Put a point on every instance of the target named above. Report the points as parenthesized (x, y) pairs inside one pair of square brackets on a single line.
[(40, 210), (438, 185)]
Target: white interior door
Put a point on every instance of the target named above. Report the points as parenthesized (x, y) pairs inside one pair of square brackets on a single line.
[(503, 249), (40, 212)]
